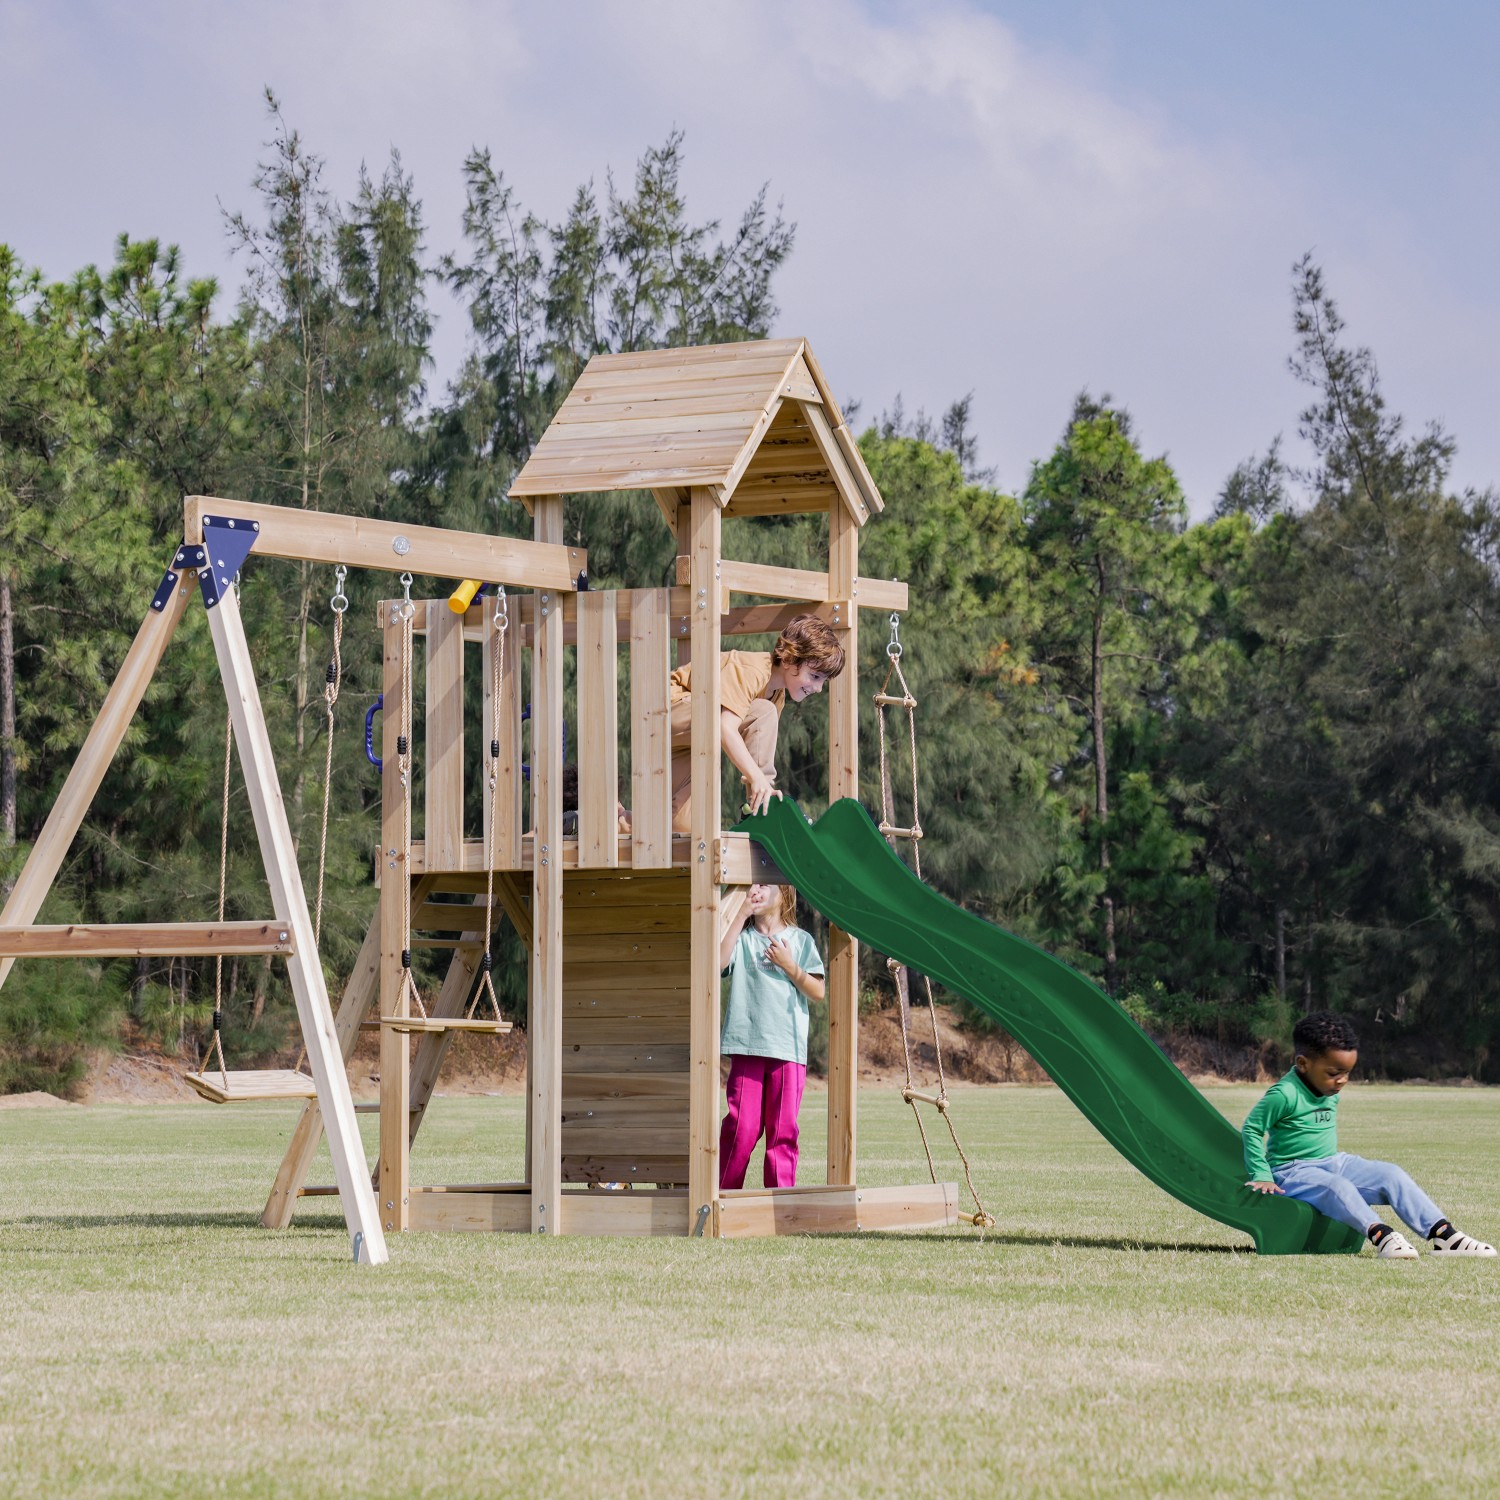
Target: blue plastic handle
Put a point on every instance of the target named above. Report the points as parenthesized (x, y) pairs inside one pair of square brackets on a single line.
[(370, 754)]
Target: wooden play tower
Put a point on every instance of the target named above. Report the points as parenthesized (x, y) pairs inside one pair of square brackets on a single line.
[(623, 1067)]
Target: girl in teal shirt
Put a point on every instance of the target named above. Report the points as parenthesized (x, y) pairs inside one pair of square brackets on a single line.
[(774, 969)]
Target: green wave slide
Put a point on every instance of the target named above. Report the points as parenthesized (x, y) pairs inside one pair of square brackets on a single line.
[(1121, 1080)]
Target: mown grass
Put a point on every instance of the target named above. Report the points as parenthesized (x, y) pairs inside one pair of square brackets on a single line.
[(1104, 1341)]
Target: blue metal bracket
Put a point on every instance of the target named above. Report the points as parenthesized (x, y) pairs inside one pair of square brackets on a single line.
[(228, 542), (187, 556)]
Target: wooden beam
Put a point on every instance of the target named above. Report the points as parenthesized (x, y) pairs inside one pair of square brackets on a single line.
[(804, 583), (287, 897), (853, 501), (146, 939), (843, 781), (544, 1027), (360, 542), (94, 756), (704, 554)]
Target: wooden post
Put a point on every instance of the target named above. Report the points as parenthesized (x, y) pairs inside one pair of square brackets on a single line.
[(843, 781), (506, 793), (703, 533), (544, 1025), (103, 739), (287, 896), (651, 730), (395, 886)]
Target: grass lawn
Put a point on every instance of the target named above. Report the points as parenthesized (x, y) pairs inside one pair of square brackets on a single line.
[(1103, 1341)]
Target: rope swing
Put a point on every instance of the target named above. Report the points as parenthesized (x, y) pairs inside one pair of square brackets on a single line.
[(501, 622), (981, 1218)]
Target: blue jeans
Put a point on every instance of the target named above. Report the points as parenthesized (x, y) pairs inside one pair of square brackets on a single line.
[(1343, 1186)]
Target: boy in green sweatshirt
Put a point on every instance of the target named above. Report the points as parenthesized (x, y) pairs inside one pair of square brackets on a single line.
[(1291, 1147)]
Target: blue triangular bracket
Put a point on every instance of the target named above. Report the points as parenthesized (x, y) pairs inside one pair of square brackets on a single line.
[(189, 555), (228, 542)]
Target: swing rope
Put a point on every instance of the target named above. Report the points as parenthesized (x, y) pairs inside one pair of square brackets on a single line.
[(407, 613), (501, 622), (333, 682), (981, 1218)]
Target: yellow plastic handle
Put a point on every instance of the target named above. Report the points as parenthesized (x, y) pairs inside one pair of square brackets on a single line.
[(463, 596)]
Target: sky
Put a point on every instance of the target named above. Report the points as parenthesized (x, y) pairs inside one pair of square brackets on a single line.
[(1021, 199)]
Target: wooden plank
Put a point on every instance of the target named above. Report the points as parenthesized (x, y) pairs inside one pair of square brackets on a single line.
[(449, 916), (136, 939), (843, 781), (705, 552), (544, 1028), (633, 1213), (723, 404), (314, 1013), (444, 738), (361, 542), (747, 1213), (750, 500), (471, 1212), (744, 862), (98, 748), (359, 990), (879, 593), (598, 750), (650, 730), (637, 1061), (502, 647), (606, 949), (727, 355)]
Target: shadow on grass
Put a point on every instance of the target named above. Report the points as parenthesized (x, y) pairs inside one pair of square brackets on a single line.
[(1016, 1239), (214, 1220)]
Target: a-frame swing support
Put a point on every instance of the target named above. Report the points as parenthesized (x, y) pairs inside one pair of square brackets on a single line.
[(308, 536)]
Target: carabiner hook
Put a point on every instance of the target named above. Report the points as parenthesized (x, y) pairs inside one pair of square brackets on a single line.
[(408, 609), (893, 648), (338, 604), (502, 608)]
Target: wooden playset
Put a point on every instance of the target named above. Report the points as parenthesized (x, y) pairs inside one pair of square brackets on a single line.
[(622, 928)]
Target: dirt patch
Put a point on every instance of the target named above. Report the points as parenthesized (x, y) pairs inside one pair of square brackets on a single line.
[(968, 1056), (34, 1100)]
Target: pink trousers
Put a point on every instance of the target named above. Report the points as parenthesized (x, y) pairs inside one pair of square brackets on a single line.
[(765, 1094)]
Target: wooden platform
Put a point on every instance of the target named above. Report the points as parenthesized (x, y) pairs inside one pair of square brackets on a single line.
[(246, 1086)]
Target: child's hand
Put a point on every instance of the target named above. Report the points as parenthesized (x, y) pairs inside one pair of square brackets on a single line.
[(778, 953), (760, 791), (1265, 1187)]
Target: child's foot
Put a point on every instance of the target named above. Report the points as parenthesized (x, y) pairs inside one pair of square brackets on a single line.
[(1446, 1241), (1393, 1245)]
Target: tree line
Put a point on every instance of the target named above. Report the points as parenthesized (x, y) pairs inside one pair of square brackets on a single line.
[(1234, 769)]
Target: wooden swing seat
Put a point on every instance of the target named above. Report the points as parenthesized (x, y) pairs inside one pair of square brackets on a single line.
[(250, 1085), (477, 1024)]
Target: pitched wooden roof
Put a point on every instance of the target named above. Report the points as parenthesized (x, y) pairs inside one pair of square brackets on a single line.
[(754, 422)]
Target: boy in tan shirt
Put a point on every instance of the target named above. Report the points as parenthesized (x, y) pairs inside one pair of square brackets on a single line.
[(753, 689)]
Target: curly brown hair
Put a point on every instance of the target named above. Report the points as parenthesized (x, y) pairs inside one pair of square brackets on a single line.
[(812, 641)]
